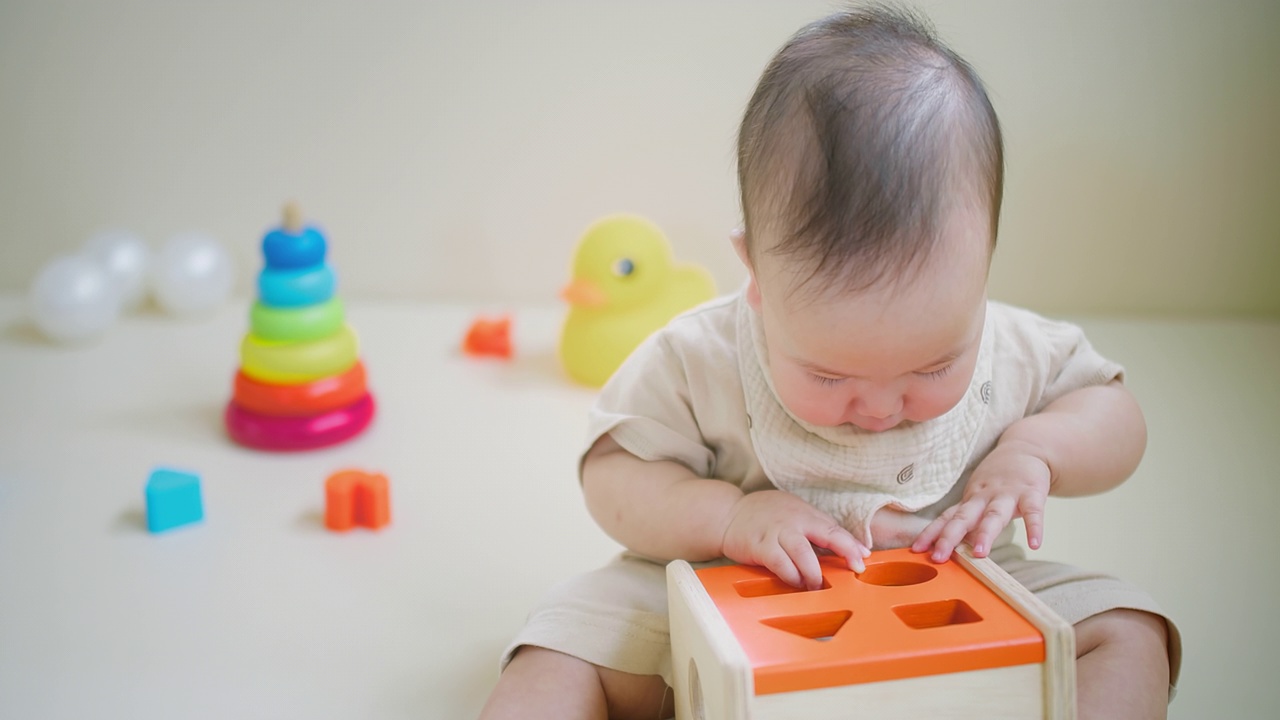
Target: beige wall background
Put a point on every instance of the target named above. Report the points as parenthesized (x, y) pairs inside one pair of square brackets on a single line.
[(455, 151)]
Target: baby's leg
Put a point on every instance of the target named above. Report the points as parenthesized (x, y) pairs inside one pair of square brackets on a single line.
[(541, 683), (1122, 666)]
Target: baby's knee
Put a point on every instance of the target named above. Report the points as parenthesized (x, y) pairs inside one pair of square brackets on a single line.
[(573, 681), (636, 696), (1140, 632)]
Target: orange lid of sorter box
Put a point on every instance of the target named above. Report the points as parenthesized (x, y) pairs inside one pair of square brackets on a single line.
[(904, 617)]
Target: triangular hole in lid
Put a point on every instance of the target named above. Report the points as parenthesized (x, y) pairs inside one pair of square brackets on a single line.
[(816, 626)]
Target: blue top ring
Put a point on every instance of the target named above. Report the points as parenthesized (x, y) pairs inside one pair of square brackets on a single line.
[(284, 250)]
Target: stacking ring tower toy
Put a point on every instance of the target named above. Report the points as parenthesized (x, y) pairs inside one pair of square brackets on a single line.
[(301, 384)]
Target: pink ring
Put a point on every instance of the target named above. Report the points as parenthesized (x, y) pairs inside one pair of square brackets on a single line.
[(266, 432)]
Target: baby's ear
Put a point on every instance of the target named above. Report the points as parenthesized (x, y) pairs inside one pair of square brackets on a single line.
[(738, 236), (753, 294)]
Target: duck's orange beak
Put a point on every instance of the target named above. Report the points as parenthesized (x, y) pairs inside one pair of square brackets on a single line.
[(583, 293)]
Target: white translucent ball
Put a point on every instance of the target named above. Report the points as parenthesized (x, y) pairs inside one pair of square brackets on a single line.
[(126, 258), (192, 275), (73, 300)]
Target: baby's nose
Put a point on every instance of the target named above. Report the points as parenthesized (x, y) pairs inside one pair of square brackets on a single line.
[(878, 404)]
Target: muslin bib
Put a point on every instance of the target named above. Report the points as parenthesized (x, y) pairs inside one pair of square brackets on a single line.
[(848, 472)]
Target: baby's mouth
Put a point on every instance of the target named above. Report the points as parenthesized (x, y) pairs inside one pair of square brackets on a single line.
[(872, 425)]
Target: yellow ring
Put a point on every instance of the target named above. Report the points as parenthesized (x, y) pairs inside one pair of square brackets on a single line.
[(287, 363)]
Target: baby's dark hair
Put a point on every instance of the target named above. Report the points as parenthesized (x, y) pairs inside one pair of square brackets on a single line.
[(864, 131)]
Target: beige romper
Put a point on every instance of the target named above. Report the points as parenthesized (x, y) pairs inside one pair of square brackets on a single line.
[(698, 392)]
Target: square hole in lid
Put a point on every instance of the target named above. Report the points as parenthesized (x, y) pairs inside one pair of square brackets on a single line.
[(762, 587), (937, 614)]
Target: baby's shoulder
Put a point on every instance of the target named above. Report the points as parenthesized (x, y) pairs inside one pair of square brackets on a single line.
[(1006, 316), (707, 332), (1020, 329)]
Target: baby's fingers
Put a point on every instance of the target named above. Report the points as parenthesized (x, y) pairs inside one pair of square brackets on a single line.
[(995, 518), (841, 542), (803, 558), (929, 535), (962, 522), (1033, 518), (778, 561)]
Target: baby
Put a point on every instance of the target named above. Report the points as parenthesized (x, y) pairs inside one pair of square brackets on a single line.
[(861, 391)]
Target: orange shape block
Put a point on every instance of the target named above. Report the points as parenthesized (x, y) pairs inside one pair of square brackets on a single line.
[(489, 337), (904, 617), (356, 497)]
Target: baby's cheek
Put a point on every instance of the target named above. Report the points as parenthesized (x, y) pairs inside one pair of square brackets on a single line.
[(818, 409), (933, 403), (815, 415), (815, 408)]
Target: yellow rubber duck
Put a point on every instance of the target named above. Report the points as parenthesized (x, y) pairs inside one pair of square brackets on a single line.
[(624, 285)]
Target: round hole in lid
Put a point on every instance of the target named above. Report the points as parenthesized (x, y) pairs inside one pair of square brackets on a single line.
[(894, 574)]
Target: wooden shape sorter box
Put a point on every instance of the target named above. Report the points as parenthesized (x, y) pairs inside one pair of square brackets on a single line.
[(907, 639)]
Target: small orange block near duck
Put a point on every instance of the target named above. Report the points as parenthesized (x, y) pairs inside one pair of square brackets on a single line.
[(625, 284), (489, 337)]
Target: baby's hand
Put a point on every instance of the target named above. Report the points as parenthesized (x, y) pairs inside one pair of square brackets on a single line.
[(779, 531), (1009, 483)]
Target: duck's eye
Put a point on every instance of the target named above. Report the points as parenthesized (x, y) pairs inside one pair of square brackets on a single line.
[(623, 267)]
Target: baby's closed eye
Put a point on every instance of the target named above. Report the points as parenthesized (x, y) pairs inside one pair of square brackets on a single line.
[(938, 373)]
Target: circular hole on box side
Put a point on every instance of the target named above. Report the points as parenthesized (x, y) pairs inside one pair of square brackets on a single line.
[(696, 705), (898, 573)]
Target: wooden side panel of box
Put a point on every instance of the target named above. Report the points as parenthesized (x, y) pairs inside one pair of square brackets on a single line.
[(1059, 637), (1005, 693), (713, 678)]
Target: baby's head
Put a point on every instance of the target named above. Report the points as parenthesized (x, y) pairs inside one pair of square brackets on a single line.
[(870, 163)]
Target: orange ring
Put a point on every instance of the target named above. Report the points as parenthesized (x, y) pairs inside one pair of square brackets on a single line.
[(317, 396)]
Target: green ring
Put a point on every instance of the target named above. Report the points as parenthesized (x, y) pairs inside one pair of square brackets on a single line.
[(310, 322)]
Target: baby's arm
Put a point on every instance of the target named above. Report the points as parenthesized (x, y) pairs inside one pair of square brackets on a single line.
[(665, 511), (1085, 442), (893, 528)]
